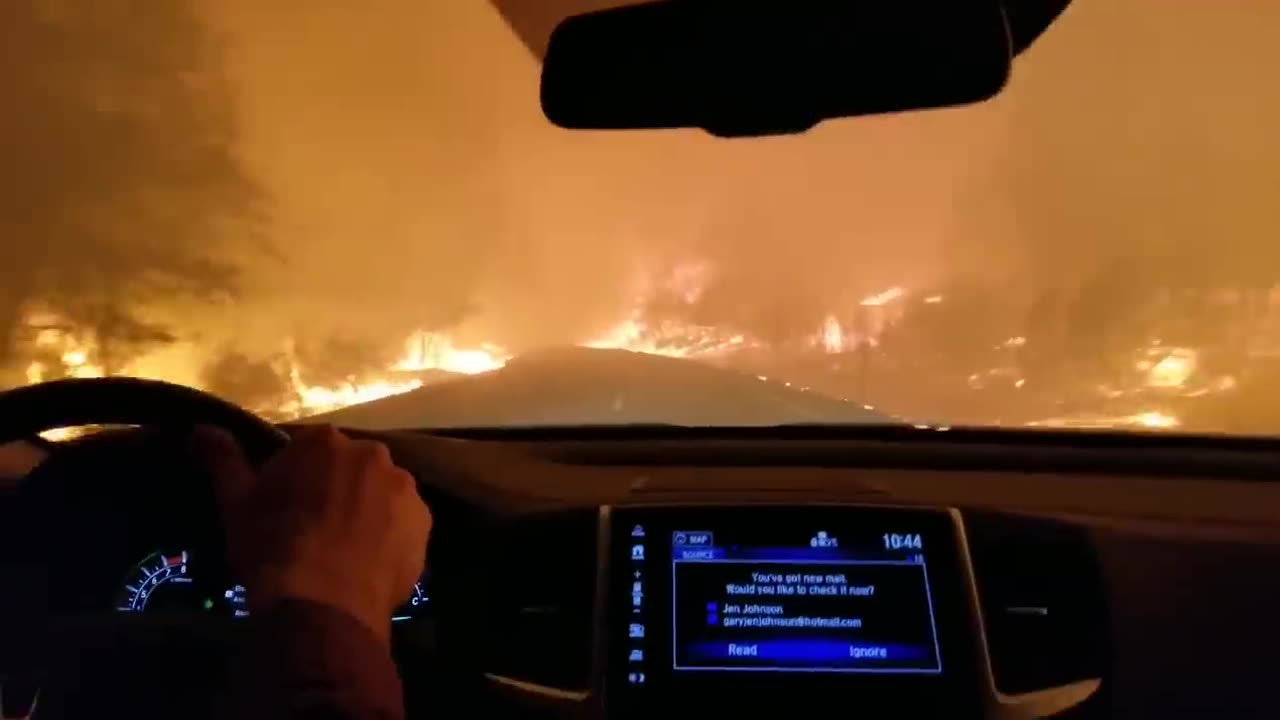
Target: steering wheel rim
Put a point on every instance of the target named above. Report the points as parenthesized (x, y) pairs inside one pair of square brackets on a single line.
[(26, 411), (31, 409)]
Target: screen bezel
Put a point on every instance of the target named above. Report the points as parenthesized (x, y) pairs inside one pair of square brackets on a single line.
[(765, 693)]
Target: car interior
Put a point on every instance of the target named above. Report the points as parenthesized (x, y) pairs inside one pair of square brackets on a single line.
[(576, 572), (654, 571)]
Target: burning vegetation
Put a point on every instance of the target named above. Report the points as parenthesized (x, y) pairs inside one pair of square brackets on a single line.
[(1074, 254), (891, 349)]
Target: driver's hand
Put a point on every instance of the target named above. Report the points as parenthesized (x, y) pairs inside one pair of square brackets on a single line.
[(328, 520)]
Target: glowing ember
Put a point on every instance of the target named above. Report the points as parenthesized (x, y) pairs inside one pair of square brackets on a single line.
[(832, 335), (884, 298), (1149, 420), (1173, 370), (1155, 420)]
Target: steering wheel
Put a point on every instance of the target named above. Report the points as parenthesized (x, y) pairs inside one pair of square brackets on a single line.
[(30, 643), (28, 410)]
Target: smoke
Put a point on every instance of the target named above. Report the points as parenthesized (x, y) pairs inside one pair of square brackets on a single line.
[(414, 184), (418, 185), (1138, 136), (265, 380), (120, 174), (258, 383)]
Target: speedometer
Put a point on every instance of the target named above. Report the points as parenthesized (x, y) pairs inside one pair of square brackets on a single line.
[(164, 582)]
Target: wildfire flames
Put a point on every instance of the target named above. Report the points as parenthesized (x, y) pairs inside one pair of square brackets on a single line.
[(63, 351), (423, 351), (60, 350)]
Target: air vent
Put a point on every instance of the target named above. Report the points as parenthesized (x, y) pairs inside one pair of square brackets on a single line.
[(1042, 601), (538, 622)]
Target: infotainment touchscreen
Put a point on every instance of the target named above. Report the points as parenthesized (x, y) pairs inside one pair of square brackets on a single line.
[(831, 601), (739, 610)]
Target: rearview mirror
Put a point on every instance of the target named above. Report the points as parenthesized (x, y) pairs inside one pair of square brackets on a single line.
[(735, 67)]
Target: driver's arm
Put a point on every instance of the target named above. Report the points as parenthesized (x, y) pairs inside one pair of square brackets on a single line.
[(329, 537)]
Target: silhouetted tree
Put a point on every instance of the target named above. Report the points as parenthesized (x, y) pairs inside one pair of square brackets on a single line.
[(119, 185)]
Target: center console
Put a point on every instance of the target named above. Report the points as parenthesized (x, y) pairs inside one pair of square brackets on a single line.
[(761, 611)]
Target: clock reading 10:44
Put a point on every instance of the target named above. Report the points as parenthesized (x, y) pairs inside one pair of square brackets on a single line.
[(908, 541)]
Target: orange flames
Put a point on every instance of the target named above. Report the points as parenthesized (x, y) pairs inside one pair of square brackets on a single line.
[(423, 351), (58, 349), (64, 351), (670, 339)]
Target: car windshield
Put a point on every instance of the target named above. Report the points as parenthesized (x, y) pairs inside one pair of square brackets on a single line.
[(362, 203)]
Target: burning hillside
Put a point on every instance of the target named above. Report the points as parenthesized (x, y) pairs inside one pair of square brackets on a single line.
[(278, 385), (915, 353), (302, 378)]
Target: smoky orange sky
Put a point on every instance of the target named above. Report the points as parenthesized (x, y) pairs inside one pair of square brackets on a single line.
[(415, 179)]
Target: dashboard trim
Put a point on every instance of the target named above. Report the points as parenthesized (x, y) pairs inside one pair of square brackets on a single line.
[(534, 690), (998, 705), (593, 695), (32, 701)]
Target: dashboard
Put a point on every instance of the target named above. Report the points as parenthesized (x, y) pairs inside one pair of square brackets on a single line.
[(747, 609), (655, 573), (151, 546)]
